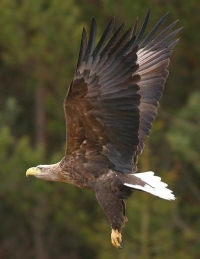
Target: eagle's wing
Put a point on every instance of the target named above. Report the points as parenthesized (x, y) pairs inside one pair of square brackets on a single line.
[(153, 59), (113, 98)]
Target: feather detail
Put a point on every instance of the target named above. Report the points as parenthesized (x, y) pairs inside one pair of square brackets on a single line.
[(153, 185)]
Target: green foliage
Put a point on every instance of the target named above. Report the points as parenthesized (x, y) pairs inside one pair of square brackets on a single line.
[(187, 120), (11, 111), (39, 42)]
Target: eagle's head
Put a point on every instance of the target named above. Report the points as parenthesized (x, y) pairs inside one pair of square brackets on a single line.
[(46, 172)]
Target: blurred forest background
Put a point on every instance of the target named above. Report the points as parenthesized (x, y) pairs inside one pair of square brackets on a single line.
[(39, 44)]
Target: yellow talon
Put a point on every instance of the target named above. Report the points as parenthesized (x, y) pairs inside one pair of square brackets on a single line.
[(116, 238)]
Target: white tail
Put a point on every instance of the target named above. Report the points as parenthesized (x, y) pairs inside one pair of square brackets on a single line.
[(153, 185)]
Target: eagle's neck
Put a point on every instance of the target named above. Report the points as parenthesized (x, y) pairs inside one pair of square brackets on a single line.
[(75, 173)]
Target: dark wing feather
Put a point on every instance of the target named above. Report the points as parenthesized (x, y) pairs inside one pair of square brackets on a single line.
[(153, 59), (113, 98)]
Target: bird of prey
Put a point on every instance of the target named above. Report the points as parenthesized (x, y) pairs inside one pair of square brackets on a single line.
[(110, 106)]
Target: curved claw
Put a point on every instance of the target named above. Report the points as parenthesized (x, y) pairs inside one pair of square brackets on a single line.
[(116, 239)]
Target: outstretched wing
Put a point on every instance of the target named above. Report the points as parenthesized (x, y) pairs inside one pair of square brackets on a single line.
[(153, 59), (113, 98)]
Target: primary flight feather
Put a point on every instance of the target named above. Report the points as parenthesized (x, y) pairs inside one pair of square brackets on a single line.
[(109, 108)]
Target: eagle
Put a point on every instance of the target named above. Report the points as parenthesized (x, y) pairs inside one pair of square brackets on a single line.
[(109, 108)]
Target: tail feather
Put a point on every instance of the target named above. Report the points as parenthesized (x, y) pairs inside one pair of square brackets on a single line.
[(153, 185)]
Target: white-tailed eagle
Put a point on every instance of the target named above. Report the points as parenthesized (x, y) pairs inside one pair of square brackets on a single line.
[(110, 106)]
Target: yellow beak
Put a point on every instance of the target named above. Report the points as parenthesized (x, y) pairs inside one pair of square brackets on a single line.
[(32, 171)]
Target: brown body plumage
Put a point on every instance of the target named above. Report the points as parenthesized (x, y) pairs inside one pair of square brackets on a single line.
[(110, 106)]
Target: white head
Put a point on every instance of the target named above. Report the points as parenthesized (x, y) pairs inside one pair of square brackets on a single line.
[(46, 172)]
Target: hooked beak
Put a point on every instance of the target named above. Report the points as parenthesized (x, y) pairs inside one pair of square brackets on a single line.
[(32, 171)]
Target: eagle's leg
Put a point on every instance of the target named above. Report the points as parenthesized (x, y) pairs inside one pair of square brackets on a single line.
[(114, 208)]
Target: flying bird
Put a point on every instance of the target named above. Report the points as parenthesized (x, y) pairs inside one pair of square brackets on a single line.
[(110, 106)]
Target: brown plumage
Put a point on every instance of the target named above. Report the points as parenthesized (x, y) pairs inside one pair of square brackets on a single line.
[(110, 106)]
